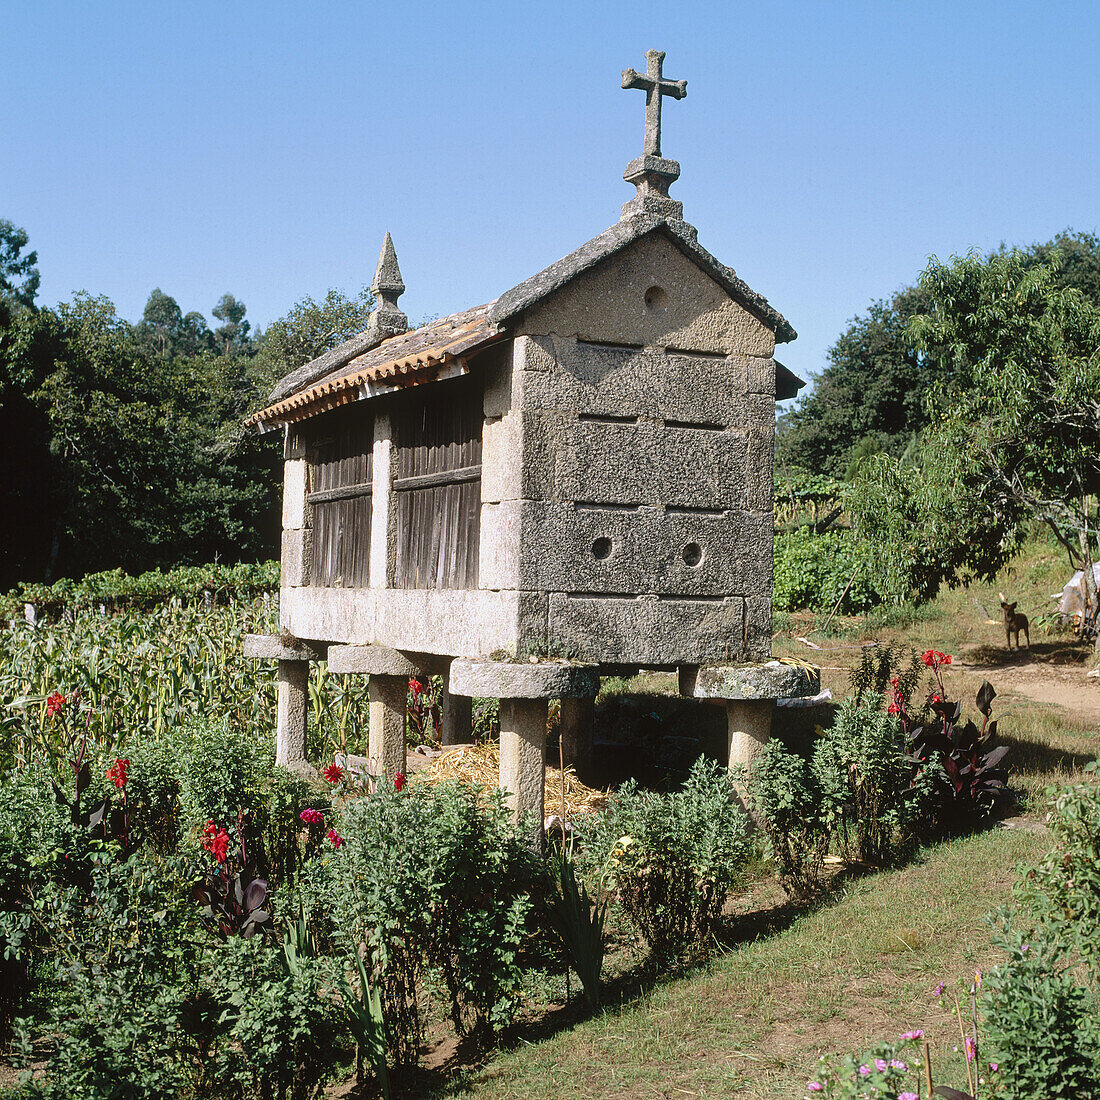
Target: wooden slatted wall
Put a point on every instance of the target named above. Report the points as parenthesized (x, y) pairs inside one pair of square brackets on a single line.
[(341, 452), (437, 485)]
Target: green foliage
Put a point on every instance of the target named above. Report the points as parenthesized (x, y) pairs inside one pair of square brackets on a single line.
[(787, 796), (887, 1071), (871, 390), (368, 1024), (579, 922), (881, 663), (672, 858), (873, 804), (19, 276), (431, 883), (1042, 1027), (812, 570)]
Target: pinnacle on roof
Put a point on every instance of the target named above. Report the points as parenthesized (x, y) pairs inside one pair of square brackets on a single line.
[(651, 173), (386, 318)]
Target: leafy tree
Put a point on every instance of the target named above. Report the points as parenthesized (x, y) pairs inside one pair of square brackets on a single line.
[(869, 395), (1015, 426), (234, 331), (19, 275), (308, 330)]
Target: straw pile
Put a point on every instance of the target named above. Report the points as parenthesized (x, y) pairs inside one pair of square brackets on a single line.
[(480, 763)]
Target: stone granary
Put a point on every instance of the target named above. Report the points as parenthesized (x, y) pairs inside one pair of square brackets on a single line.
[(573, 479)]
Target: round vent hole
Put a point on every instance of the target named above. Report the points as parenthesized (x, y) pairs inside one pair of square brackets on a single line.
[(601, 549), (693, 554), (655, 298)]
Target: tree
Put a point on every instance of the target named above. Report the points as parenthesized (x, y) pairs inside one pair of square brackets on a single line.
[(869, 395), (19, 275), (308, 330), (1014, 430), (235, 329)]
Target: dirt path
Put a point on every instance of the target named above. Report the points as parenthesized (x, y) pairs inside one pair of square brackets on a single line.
[(1048, 673)]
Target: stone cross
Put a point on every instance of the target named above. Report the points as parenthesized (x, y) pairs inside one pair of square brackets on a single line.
[(655, 87)]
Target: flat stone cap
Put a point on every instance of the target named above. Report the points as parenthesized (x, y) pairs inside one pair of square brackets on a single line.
[(771, 680), (485, 679), (273, 647), (376, 660)]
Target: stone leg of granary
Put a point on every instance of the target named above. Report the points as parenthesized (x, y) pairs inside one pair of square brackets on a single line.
[(456, 715), (748, 730), (388, 697), (523, 759), (577, 718), (290, 730), (524, 690)]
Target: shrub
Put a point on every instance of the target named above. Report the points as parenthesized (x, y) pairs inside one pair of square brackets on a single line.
[(787, 796), (882, 1072), (872, 802), (673, 857), (811, 571), (431, 883)]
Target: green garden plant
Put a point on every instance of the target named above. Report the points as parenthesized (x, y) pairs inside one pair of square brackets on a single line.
[(579, 922)]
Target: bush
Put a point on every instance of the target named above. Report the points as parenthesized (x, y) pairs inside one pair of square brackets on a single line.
[(787, 796), (811, 571), (673, 858), (872, 802), (431, 883)]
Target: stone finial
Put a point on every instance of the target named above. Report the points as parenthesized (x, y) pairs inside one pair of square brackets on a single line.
[(386, 318), (651, 173)]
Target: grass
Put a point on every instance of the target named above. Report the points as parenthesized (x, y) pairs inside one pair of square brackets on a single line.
[(753, 1023)]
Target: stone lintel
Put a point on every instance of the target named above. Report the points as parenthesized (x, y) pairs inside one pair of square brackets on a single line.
[(273, 647), (377, 660), (485, 679), (756, 682)]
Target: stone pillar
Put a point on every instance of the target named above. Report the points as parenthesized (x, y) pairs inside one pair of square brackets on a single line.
[(575, 730), (749, 728), (457, 717), (388, 696), (293, 659), (523, 757), (290, 731), (524, 690)]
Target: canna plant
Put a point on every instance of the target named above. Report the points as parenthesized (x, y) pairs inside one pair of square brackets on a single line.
[(232, 900)]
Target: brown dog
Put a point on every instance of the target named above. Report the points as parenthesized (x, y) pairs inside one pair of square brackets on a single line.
[(1014, 622)]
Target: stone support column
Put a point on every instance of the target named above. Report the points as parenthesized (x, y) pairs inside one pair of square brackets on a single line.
[(457, 718), (749, 692), (575, 730), (523, 757), (293, 659), (388, 696), (524, 690), (290, 731)]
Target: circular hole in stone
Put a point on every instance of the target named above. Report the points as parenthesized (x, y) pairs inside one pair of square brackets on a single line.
[(655, 298), (693, 554), (601, 548)]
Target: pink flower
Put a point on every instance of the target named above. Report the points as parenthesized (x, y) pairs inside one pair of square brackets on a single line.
[(971, 1050), (913, 1035), (938, 991), (897, 1063), (333, 773), (865, 1071), (332, 836), (994, 1066), (312, 817), (399, 781), (880, 1065), (908, 1096), (815, 1086)]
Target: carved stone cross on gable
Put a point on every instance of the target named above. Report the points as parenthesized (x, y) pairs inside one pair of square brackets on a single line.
[(655, 87)]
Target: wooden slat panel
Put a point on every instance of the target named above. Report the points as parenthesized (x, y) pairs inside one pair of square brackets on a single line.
[(438, 443)]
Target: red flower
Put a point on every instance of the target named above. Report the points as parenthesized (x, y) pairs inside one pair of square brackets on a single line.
[(945, 658), (893, 708), (333, 773), (334, 837), (215, 841), (116, 773), (932, 659), (312, 817), (399, 781), (895, 682), (54, 704), (415, 686), (937, 699)]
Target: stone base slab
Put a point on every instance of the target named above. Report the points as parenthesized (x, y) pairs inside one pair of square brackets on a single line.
[(274, 648), (376, 660), (518, 680), (767, 681)]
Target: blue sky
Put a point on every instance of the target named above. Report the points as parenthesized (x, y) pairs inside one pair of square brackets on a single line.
[(263, 149)]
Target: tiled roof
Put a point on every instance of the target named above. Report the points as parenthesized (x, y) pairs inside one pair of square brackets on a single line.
[(422, 355)]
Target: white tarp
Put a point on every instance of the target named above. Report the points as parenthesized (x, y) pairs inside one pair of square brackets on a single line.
[(1073, 595)]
